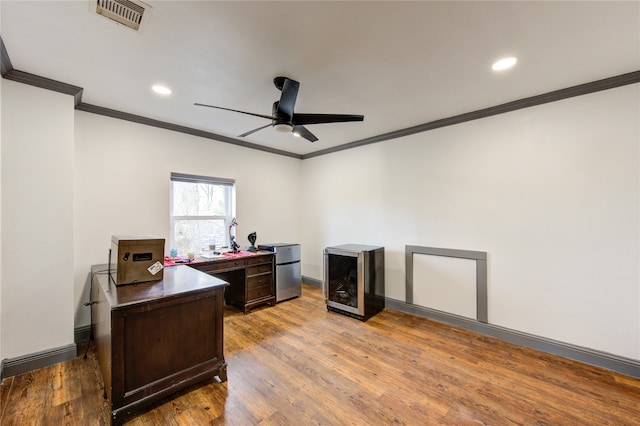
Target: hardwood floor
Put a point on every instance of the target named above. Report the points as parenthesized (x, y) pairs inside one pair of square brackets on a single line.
[(297, 364)]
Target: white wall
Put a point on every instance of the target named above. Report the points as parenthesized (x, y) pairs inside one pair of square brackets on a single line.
[(37, 220), (122, 174), (1, 357), (552, 193)]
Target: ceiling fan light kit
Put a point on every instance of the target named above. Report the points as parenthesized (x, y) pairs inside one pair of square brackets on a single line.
[(284, 119), (283, 127)]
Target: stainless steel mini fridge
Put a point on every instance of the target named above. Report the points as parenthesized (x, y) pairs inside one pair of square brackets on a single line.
[(288, 270)]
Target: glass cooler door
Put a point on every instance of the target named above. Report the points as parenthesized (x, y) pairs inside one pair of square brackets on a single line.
[(343, 288)]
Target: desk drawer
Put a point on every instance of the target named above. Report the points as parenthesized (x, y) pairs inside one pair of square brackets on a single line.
[(220, 265), (259, 292), (259, 286), (259, 269), (254, 260), (259, 281)]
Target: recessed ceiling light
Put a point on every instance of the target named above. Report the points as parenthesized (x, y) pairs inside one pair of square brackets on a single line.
[(162, 90), (504, 63)]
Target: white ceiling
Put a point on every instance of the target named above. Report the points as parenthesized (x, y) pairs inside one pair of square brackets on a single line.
[(400, 64)]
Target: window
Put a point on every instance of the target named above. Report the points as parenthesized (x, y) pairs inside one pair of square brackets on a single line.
[(202, 209)]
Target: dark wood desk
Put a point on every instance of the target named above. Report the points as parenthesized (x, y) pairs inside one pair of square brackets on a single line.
[(157, 337), (250, 275)]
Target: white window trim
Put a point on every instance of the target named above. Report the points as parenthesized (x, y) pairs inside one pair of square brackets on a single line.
[(182, 177)]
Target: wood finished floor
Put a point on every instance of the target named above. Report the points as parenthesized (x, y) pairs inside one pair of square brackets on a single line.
[(297, 364)]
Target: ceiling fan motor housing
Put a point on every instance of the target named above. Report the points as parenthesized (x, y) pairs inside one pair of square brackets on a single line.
[(280, 120)]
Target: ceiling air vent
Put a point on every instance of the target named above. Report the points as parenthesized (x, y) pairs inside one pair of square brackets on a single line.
[(128, 13)]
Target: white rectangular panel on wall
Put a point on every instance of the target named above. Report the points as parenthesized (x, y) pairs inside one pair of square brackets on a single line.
[(444, 283)]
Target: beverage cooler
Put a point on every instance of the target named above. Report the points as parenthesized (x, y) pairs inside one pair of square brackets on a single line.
[(354, 280)]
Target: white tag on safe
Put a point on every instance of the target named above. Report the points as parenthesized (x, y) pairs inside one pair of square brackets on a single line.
[(155, 268)]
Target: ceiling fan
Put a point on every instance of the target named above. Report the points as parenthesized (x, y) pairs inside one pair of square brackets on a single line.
[(283, 119)]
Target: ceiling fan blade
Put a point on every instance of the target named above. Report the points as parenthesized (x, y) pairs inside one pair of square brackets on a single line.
[(253, 131), (235, 110), (302, 131), (288, 98), (325, 118)]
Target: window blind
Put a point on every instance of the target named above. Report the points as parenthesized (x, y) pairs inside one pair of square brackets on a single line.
[(182, 177)]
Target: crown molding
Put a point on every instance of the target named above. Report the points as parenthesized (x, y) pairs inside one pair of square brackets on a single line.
[(177, 128), (5, 62), (45, 83), (556, 95)]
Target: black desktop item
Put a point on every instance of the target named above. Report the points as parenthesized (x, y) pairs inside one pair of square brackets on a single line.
[(252, 239)]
